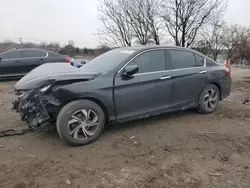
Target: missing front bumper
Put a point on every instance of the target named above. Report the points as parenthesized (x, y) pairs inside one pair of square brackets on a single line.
[(31, 108)]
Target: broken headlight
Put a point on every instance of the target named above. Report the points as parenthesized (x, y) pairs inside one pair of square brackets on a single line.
[(23, 94), (44, 89)]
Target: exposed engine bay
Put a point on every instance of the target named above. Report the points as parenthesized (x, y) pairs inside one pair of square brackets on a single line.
[(40, 97), (32, 106)]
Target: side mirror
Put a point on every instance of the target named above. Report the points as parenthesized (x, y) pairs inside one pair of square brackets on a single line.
[(83, 62), (1, 59), (130, 70)]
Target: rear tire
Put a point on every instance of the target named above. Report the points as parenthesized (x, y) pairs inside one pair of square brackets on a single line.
[(80, 122), (209, 99)]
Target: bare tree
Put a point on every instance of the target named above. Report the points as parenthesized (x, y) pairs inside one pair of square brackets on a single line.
[(154, 19), (43, 45), (185, 18), (244, 48), (8, 44), (136, 12), (213, 37), (236, 39), (144, 19), (71, 43), (8, 41), (231, 39), (115, 30), (55, 46), (202, 46), (124, 20), (216, 39)]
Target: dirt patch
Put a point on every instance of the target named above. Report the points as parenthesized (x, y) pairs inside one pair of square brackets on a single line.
[(180, 150)]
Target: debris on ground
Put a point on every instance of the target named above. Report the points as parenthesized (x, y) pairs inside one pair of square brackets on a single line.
[(168, 148), (68, 182), (246, 102), (31, 155), (203, 132), (214, 174)]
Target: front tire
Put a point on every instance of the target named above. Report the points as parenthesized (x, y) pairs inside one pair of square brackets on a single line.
[(209, 99), (80, 122)]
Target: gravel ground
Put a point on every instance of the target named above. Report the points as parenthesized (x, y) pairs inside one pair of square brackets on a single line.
[(180, 150)]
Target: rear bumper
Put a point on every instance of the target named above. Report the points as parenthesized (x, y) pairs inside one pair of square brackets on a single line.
[(226, 87)]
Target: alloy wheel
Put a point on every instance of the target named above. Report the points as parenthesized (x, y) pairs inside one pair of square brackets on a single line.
[(211, 99), (83, 124)]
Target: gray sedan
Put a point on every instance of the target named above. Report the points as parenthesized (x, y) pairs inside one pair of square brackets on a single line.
[(120, 85)]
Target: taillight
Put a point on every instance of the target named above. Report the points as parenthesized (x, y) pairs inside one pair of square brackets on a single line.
[(227, 67), (67, 59), (228, 71)]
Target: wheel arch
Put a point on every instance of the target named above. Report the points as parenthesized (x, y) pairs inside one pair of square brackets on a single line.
[(95, 100), (218, 86), (67, 95), (101, 104)]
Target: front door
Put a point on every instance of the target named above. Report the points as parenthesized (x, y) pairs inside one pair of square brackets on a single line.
[(10, 63), (148, 91), (189, 77)]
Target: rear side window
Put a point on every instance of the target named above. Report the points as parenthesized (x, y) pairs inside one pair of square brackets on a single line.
[(51, 54), (33, 53), (210, 63), (43, 54), (182, 59), (151, 61), (12, 55), (199, 60)]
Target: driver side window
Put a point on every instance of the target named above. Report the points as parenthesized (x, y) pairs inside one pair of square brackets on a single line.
[(150, 61)]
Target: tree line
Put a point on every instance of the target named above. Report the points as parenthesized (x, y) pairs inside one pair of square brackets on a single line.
[(68, 49), (197, 24)]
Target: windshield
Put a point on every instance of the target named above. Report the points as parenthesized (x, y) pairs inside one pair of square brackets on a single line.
[(107, 61)]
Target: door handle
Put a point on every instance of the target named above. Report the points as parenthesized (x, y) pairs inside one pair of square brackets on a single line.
[(165, 77), (16, 61), (202, 72)]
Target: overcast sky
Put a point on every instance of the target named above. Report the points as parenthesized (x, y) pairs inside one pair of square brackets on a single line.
[(64, 20)]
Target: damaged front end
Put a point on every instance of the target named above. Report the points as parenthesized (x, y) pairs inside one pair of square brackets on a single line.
[(35, 107), (40, 96)]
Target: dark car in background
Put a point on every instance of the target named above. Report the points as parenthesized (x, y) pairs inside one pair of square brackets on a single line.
[(120, 85), (18, 62)]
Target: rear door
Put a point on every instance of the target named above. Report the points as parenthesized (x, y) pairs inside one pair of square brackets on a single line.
[(189, 76), (54, 57), (148, 91), (32, 59), (10, 63)]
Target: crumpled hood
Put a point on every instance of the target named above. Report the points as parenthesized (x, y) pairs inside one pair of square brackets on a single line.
[(48, 73)]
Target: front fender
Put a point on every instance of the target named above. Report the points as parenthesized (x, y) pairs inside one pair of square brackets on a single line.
[(66, 95)]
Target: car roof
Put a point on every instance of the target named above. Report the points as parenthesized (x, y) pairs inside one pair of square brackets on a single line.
[(151, 47), (35, 49), (21, 49)]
